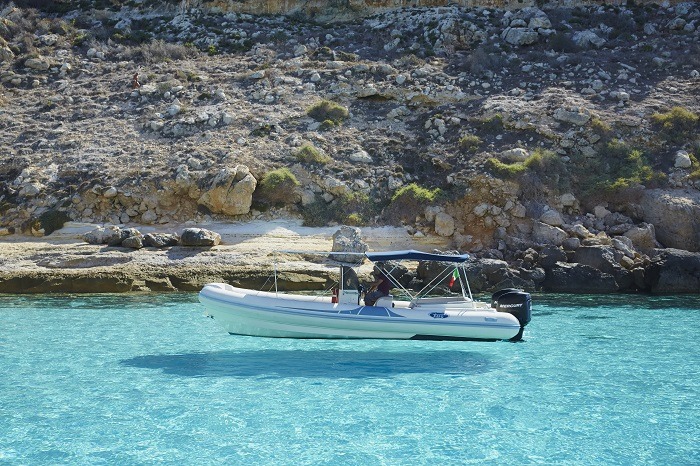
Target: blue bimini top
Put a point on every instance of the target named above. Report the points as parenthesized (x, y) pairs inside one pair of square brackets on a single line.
[(415, 255)]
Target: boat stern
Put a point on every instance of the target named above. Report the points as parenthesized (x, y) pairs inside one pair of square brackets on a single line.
[(515, 302)]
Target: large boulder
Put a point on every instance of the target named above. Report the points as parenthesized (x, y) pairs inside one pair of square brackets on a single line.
[(161, 240), (118, 235), (444, 224), (520, 36), (598, 257), (674, 271), (133, 242), (230, 191), (552, 217), (38, 63), (199, 237), (348, 239), (675, 215), (547, 234), (603, 258), (587, 38), (643, 237), (578, 278), (96, 236), (550, 255)]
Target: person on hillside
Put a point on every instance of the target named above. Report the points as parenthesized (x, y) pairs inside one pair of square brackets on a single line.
[(380, 287)]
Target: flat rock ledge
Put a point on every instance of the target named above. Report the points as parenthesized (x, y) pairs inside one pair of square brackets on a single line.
[(247, 253)]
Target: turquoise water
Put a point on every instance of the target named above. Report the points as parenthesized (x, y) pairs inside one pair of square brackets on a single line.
[(146, 379)]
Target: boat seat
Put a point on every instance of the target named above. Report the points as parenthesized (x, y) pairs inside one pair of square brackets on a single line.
[(385, 301)]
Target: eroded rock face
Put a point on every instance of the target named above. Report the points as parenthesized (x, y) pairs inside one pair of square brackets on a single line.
[(230, 192), (578, 278), (675, 271), (675, 215)]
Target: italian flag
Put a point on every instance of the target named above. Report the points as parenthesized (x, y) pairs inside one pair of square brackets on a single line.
[(453, 278)]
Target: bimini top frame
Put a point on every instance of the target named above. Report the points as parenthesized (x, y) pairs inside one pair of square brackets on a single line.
[(457, 269)]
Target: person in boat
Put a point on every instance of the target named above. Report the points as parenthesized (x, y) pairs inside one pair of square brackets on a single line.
[(380, 287)]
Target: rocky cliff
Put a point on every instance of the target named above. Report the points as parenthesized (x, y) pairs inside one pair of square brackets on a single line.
[(500, 131)]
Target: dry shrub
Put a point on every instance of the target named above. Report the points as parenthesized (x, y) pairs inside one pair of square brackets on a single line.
[(158, 51)]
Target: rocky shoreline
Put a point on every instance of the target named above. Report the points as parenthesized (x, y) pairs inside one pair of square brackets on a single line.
[(249, 252)]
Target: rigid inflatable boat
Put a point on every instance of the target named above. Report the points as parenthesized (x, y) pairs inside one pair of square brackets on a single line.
[(341, 314)]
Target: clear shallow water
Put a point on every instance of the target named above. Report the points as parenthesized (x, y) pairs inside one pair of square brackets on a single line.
[(144, 379)]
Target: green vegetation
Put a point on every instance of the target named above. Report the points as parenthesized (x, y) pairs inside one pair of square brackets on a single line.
[(600, 127), (470, 142), (695, 167), (310, 154), (492, 125), (677, 124), (506, 170), (413, 192), (275, 187), (326, 111), (410, 201), (52, 220), (616, 167), (542, 162)]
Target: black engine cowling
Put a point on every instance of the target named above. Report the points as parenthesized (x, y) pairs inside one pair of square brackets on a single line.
[(516, 302)]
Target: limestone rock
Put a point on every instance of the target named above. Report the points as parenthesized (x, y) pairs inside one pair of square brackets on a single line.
[(96, 236), (550, 255), (547, 234), (230, 192), (114, 236), (598, 257), (110, 192), (6, 54), (515, 155), (552, 217), (199, 237), (444, 224), (675, 215), (578, 278), (348, 239), (568, 200), (623, 247), (675, 271), (539, 22), (38, 64), (682, 160), (574, 116), (588, 38), (571, 244), (134, 242), (520, 35), (361, 156), (643, 237), (161, 240), (601, 212)]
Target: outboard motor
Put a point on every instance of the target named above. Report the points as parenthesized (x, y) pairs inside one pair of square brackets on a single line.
[(516, 302)]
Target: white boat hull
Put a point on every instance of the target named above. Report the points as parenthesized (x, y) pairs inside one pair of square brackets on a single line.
[(258, 313)]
